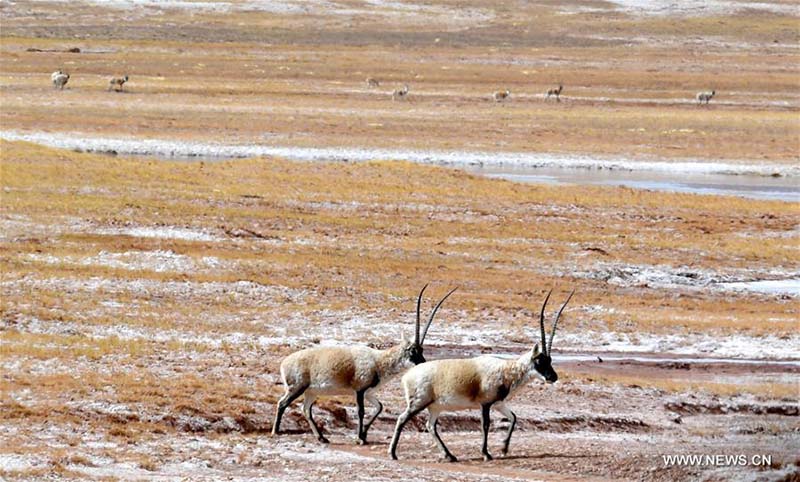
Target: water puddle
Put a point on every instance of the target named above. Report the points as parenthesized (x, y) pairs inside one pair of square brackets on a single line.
[(747, 186), (755, 181)]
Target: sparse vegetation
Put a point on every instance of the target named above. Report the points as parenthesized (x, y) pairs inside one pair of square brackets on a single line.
[(145, 305)]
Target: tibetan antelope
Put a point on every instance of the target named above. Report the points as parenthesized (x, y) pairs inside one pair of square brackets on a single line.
[(501, 95), (400, 94), (486, 382), (59, 79), (333, 370), (555, 92), (372, 83), (705, 96), (116, 83)]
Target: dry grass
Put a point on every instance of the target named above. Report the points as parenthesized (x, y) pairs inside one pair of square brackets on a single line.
[(356, 222), (304, 87)]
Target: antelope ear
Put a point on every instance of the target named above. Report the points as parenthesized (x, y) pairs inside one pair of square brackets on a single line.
[(536, 350)]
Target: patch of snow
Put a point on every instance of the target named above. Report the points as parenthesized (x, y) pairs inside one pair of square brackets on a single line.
[(190, 149), (693, 7), (162, 232), (158, 261), (19, 463), (684, 277), (790, 287), (730, 346)]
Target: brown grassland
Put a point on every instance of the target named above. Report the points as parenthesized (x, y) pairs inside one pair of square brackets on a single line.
[(145, 304)]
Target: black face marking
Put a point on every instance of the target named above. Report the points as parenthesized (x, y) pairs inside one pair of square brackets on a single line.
[(414, 353), (542, 364)]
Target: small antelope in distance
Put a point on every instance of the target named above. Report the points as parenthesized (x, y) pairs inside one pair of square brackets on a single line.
[(485, 381), (555, 92), (400, 94), (501, 95), (342, 370), (705, 96), (116, 83), (372, 83), (59, 79)]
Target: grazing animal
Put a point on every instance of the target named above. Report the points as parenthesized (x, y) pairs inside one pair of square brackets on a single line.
[(116, 83), (400, 94), (486, 381), (372, 83), (705, 96), (501, 95), (555, 92), (346, 369), (59, 79)]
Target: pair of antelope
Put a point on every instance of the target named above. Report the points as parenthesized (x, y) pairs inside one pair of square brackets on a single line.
[(442, 385), (397, 94), (60, 79), (503, 95)]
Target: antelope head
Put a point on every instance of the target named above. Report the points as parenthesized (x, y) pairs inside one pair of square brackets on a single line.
[(540, 358), (412, 349)]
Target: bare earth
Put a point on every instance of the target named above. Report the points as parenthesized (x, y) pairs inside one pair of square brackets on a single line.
[(145, 305)]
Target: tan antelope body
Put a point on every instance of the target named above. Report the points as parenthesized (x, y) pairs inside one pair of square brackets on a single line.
[(400, 94), (555, 92), (343, 370), (116, 83), (483, 382), (501, 95), (705, 96), (59, 79)]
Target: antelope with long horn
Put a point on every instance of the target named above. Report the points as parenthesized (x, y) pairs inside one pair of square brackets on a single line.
[(484, 382), (342, 370)]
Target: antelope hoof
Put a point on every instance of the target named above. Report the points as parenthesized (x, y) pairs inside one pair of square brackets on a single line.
[(393, 455), (361, 441), (450, 458), (323, 440), (487, 457), (505, 451)]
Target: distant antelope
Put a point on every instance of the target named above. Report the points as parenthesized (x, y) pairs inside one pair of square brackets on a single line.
[(372, 83), (400, 94), (59, 79), (117, 83), (555, 92), (343, 370), (485, 382), (501, 95), (705, 96)]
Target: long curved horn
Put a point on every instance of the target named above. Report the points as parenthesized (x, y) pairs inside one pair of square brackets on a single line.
[(555, 323), (419, 303), (541, 322), (430, 320)]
